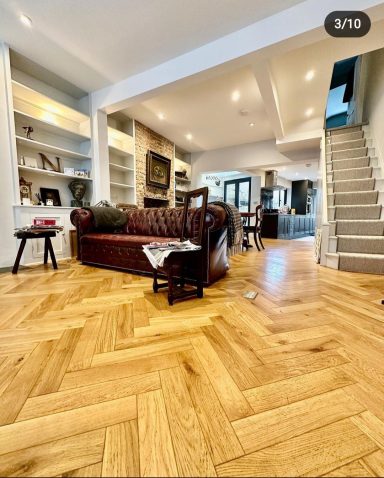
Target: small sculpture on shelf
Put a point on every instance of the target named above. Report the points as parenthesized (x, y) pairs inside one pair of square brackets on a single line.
[(78, 189), (181, 174), (25, 188), (56, 169), (28, 130)]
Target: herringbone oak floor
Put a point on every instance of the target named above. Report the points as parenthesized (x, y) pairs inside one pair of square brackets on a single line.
[(99, 377)]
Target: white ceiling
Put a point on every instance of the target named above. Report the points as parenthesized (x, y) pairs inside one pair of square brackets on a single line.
[(93, 43), (207, 112), (295, 172)]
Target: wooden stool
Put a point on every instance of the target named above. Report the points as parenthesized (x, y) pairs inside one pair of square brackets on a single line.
[(24, 235)]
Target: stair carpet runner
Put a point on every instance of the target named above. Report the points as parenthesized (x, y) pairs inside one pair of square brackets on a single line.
[(355, 209)]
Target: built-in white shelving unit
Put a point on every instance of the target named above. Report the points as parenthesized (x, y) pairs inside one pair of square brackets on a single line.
[(58, 113), (122, 171), (182, 183)]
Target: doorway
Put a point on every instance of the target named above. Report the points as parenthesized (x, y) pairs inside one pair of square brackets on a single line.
[(238, 193)]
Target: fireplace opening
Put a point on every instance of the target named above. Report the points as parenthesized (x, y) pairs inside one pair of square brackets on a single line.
[(155, 202)]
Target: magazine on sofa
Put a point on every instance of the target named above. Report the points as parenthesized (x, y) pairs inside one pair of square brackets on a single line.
[(157, 252)]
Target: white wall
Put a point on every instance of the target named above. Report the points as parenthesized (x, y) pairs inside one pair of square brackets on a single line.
[(374, 101)]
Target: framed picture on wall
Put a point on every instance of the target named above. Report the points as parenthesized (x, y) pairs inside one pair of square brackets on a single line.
[(50, 197), (158, 170)]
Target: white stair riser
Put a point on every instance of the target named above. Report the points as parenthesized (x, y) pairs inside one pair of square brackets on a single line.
[(332, 261), (332, 245)]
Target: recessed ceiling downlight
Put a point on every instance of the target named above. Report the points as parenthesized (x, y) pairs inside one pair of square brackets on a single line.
[(309, 75), (189, 136), (25, 20), (235, 95), (309, 112)]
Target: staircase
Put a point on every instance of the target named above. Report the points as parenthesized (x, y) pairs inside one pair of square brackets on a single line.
[(355, 197)]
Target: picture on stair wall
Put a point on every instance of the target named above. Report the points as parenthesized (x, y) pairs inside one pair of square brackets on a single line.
[(158, 170)]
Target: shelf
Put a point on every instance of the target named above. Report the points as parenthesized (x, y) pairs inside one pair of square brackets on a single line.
[(44, 207), (49, 126), (43, 147), (182, 180), (179, 202), (44, 102), (180, 191), (123, 186), (120, 143), (120, 168), (50, 173)]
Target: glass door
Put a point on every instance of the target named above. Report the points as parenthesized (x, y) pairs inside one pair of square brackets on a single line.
[(238, 193)]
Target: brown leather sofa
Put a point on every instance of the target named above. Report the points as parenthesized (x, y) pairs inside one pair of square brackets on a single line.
[(122, 249)]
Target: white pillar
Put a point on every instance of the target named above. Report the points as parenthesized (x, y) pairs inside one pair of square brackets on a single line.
[(7, 163), (100, 154)]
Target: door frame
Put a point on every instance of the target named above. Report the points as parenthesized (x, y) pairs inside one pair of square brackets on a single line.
[(237, 182)]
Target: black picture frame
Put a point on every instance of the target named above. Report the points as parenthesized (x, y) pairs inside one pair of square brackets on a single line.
[(47, 193), (158, 170)]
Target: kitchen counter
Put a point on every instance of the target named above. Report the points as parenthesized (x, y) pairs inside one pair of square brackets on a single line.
[(287, 226)]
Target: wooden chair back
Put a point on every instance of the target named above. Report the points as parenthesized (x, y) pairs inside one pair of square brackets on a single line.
[(259, 217), (196, 193)]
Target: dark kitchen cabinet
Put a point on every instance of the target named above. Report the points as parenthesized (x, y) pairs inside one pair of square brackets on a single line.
[(302, 196)]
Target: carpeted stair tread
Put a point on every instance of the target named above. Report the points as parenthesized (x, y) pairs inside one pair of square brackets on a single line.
[(361, 244), (350, 153), (360, 227), (347, 129), (350, 163), (355, 198), (367, 211), (342, 138), (352, 185), (351, 144), (354, 173), (357, 262)]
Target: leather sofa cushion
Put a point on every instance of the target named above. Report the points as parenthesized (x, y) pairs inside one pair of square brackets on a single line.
[(122, 240)]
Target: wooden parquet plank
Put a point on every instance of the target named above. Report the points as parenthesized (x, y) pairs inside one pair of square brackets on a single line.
[(162, 348), (50, 379), (90, 471), (156, 452), (117, 371), (55, 457), (372, 426), (312, 454), (106, 339), (8, 369), (218, 433), (355, 469), (121, 451), (85, 347), (14, 396), (297, 388), (298, 349), (89, 395), (191, 451), (275, 426), (293, 336), (237, 368), (375, 463), (231, 398), (38, 431), (273, 372)]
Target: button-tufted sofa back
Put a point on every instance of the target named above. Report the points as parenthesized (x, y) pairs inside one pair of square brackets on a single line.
[(163, 222)]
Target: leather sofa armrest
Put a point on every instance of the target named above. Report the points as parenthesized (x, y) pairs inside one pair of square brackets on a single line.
[(83, 220), (216, 217)]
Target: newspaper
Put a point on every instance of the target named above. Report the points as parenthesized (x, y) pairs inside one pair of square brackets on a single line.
[(158, 252)]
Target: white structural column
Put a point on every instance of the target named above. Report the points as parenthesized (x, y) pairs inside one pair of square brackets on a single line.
[(7, 173), (100, 155)]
